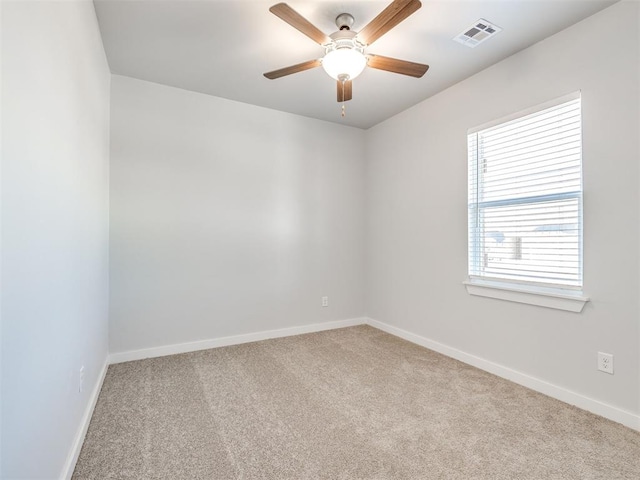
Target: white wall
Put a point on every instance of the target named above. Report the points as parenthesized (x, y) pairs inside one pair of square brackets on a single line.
[(228, 218), (55, 133), (417, 213)]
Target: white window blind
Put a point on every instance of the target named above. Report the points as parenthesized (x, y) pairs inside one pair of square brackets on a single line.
[(525, 198)]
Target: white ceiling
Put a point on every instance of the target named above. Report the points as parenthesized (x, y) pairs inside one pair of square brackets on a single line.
[(222, 48)]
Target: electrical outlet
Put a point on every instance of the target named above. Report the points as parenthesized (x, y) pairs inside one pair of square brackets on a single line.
[(605, 362), (81, 379), (325, 301)]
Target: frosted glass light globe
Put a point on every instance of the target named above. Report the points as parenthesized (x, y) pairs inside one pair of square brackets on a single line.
[(344, 61)]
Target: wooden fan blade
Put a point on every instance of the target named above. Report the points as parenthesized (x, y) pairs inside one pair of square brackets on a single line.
[(345, 91), (397, 66), (297, 21), (300, 67), (391, 16)]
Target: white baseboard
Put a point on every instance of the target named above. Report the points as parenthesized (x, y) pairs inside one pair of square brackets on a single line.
[(70, 464), (630, 419), (164, 350), (616, 414)]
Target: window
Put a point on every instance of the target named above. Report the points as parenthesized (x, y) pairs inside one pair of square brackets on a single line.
[(525, 198)]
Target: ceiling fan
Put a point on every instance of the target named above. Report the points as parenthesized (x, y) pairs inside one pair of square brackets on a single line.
[(345, 56)]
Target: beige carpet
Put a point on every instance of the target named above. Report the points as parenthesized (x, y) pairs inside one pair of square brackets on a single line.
[(354, 403)]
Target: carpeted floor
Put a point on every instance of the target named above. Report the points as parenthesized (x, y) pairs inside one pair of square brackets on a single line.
[(354, 403)]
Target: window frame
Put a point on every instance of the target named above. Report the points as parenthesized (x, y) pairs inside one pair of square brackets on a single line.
[(563, 297)]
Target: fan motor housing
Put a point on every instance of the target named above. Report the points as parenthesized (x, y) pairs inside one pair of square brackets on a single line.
[(345, 39)]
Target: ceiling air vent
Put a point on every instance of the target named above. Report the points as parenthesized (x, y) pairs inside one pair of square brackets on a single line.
[(477, 33)]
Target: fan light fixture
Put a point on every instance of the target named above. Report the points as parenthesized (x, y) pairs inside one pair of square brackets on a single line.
[(344, 63), (344, 56)]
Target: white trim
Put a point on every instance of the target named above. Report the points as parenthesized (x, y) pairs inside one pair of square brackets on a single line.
[(127, 356), (74, 453), (625, 417), (530, 295)]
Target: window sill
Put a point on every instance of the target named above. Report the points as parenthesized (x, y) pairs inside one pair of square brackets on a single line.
[(560, 300)]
